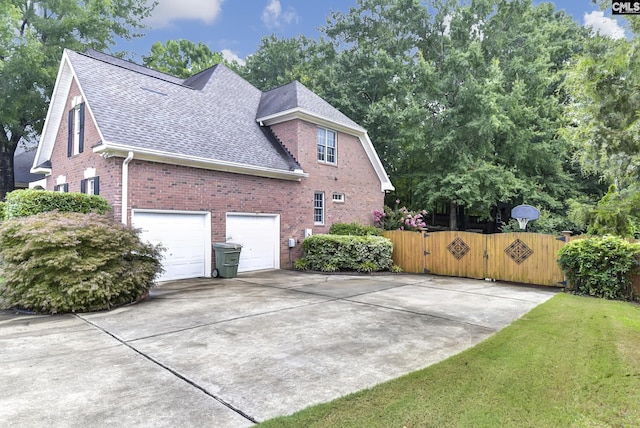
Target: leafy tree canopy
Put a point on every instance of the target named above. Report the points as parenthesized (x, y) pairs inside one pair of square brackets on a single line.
[(181, 58)]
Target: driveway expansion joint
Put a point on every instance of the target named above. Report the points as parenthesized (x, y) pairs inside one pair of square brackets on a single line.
[(172, 371)]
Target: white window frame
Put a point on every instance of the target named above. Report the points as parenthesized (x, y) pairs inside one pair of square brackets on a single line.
[(325, 152), (76, 124), (90, 186), (76, 130), (338, 198), (318, 208)]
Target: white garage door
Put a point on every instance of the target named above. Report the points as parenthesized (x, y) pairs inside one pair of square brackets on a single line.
[(259, 236), (185, 236)]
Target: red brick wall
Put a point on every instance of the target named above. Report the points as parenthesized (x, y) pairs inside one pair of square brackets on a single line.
[(109, 170), (353, 175), (172, 187)]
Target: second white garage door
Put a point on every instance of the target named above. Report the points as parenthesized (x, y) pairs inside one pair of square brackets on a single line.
[(260, 239), (186, 237)]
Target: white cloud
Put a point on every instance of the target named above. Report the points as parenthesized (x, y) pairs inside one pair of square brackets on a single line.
[(171, 10), (602, 25), (232, 56), (273, 17)]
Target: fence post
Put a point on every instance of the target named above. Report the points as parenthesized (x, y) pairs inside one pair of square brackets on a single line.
[(566, 234)]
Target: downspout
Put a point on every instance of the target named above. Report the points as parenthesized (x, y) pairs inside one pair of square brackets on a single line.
[(125, 186)]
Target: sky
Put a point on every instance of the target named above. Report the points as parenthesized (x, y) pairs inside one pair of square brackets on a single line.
[(236, 27)]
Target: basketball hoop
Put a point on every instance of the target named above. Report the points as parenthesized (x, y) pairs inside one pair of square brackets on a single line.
[(524, 214), (523, 222)]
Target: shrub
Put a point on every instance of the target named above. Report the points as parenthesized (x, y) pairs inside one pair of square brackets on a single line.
[(400, 218), (23, 203), (395, 269), (2, 209), (330, 253), (354, 229), (600, 266), (71, 262), (301, 264)]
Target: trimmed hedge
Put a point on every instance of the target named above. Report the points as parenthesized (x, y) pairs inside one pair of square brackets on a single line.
[(331, 253), (354, 229), (71, 262), (23, 203), (600, 266)]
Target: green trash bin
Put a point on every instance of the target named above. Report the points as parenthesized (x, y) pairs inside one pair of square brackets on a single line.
[(227, 259)]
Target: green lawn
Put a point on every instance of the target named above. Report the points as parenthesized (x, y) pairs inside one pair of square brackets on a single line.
[(573, 361)]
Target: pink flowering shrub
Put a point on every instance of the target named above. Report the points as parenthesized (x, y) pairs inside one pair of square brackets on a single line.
[(400, 218)]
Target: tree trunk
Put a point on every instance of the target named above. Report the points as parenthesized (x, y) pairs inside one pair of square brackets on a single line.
[(7, 183), (453, 216)]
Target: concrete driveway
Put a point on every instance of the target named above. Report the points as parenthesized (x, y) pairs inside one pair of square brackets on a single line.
[(236, 351)]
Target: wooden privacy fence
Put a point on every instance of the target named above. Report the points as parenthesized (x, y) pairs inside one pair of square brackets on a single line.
[(523, 257)]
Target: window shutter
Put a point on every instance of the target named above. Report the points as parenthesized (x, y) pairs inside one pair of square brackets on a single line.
[(81, 120), (96, 186), (83, 186), (70, 140)]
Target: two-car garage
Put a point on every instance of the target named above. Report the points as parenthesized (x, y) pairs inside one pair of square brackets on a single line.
[(186, 237)]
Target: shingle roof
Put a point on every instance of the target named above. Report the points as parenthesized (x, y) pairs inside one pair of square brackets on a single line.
[(210, 116), (295, 95), (22, 161)]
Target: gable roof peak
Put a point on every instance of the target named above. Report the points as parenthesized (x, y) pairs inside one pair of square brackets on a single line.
[(295, 96)]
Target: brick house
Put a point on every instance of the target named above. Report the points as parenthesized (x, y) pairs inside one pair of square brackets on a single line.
[(207, 159)]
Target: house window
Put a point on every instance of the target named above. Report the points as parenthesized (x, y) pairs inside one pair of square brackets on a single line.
[(318, 208), (327, 142), (90, 186), (62, 188), (338, 197), (76, 128)]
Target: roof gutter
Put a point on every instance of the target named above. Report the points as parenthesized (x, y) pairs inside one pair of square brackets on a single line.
[(110, 149), (125, 186)]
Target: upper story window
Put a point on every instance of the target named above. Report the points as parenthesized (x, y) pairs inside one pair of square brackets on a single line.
[(76, 127), (327, 142)]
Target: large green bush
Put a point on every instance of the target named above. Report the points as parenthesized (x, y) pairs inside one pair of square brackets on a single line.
[(71, 262), (23, 203), (355, 229), (2, 208), (600, 266), (330, 253)]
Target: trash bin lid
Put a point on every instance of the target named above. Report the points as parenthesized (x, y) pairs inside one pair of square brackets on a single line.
[(227, 245)]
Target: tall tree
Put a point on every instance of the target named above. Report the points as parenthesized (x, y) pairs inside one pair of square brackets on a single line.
[(278, 61), (460, 98), (181, 58), (604, 113), (33, 35)]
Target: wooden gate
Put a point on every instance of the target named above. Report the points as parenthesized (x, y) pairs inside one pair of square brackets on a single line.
[(529, 258)]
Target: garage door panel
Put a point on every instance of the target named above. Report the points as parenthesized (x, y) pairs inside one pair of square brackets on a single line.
[(259, 237), (184, 237)]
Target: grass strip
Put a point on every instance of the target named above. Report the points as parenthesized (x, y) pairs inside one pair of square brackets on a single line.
[(572, 361)]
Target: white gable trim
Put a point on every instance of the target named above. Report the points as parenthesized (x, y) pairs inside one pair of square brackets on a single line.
[(109, 149), (361, 133), (57, 108)]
